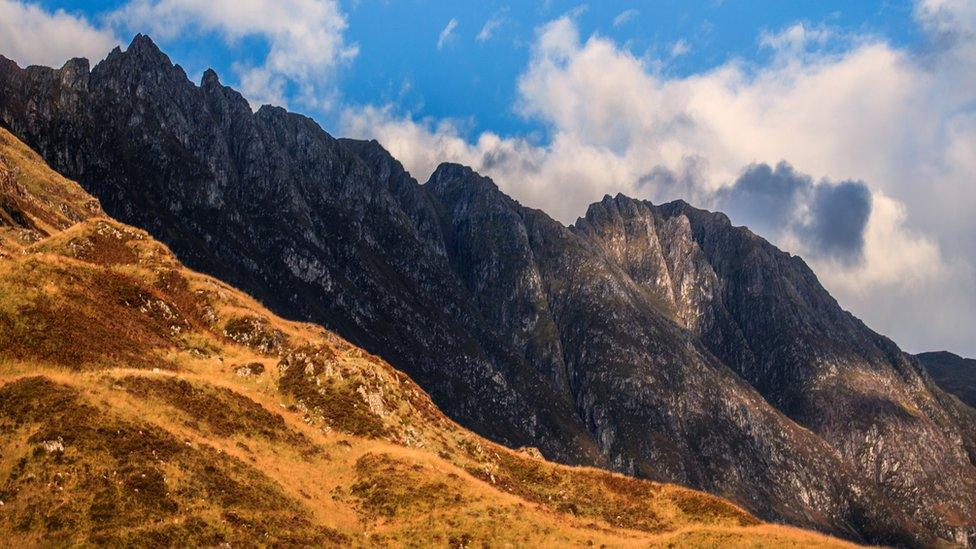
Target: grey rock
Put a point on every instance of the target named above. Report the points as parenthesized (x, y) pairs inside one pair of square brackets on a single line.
[(954, 374)]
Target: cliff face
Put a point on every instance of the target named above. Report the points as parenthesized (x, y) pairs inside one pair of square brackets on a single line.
[(953, 373), (659, 341), (764, 314)]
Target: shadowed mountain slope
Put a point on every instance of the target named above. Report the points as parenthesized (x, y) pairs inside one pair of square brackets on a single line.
[(142, 403), (659, 341), (955, 374)]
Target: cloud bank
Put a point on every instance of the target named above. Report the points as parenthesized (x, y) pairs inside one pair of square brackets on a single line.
[(624, 17), (33, 36), (828, 220), (878, 194), (489, 28)]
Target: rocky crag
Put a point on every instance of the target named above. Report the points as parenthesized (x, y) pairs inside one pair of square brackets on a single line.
[(954, 374)]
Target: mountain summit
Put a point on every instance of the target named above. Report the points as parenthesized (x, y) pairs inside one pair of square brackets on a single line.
[(655, 340)]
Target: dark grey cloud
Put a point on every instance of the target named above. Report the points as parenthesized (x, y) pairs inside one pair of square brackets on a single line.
[(765, 199), (839, 215), (828, 218), (664, 185)]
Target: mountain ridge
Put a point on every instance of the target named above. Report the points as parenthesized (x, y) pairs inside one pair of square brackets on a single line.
[(142, 404), (553, 340)]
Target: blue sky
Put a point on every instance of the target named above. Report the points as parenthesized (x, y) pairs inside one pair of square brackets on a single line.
[(842, 131), (473, 80)]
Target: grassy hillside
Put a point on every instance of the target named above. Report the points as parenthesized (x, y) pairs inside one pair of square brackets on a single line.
[(142, 403)]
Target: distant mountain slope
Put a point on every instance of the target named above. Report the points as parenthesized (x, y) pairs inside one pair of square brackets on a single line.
[(763, 313), (144, 404), (955, 374), (659, 341)]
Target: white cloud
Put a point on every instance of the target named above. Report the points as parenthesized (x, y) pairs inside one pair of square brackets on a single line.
[(306, 40), (489, 28), (901, 121), (31, 35), (624, 17), (445, 34), (796, 38), (679, 48), (577, 11)]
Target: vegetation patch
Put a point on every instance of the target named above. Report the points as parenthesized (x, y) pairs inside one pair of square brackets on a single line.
[(112, 480), (704, 507), (83, 318), (620, 501), (195, 304), (105, 244), (222, 411), (329, 392), (389, 487), (249, 369), (256, 333)]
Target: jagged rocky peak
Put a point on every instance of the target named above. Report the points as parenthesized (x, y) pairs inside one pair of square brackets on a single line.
[(143, 69), (614, 205), (627, 231), (291, 125), (449, 177), (75, 71), (414, 199), (680, 207), (621, 221), (143, 52), (390, 172), (955, 374), (467, 193), (657, 251), (210, 79), (143, 47), (765, 314), (383, 164)]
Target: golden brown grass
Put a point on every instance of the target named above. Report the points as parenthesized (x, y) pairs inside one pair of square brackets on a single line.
[(144, 404), (35, 201)]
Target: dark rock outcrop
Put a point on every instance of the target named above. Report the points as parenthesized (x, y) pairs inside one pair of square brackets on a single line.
[(656, 340), (953, 373), (764, 314)]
